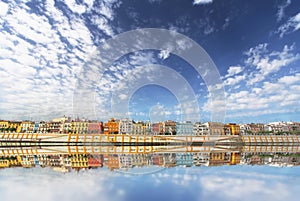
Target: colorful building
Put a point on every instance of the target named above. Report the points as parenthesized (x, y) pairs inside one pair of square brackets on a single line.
[(111, 127), (157, 128), (26, 127), (200, 129), (79, 127), (184, 159), (233, 129), (125, 126), (3, 125), (138, 128), (184, 128), (95, 128), (169, 127)]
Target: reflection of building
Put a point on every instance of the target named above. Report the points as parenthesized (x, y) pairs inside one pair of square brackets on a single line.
[(219, 158), (235, 158), (112, 161), (54, 161), (95, 161), (184, 159), (27, 161), (140, 160), (4, 163), (201, 159), (170, 160), (125, 161), (79, 161), (158, 159)]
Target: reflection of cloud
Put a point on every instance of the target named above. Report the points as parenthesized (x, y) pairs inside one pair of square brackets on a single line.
[(201, 183), (25, 184), (198, 2), (244, 189)]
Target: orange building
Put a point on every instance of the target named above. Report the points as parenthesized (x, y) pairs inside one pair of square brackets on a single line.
[(111, 127)]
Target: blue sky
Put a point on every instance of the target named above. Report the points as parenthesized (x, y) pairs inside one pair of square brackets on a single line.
[(45, 47)]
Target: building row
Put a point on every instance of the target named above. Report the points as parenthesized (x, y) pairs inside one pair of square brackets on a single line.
[(127, 126)]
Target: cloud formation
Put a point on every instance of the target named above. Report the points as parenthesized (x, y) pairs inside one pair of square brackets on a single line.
[(292, 25), (43, 52)]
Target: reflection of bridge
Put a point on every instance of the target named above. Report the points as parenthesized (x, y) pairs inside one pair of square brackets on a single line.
[(36, 144), (126, 139), (113, 138)]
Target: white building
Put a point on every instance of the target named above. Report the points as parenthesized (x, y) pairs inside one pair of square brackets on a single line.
[(200, 129), (126, 126)]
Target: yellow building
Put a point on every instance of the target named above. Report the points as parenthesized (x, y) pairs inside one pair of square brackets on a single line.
[(219, 158), (234, 128), (3, 125), (80, 127)]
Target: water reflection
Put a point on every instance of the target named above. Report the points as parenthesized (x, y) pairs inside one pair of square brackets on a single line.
[(198, 173), (77, 158)]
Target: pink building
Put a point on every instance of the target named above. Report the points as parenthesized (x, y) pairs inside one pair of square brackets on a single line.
[(95, 128)]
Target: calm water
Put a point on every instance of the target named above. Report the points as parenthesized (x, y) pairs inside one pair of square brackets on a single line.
[(154, 182)]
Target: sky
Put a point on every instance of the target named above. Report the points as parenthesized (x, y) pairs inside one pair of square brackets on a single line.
[(55, 60), (199, 183)]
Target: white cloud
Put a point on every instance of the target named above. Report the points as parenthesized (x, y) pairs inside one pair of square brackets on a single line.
[(79, 8), (247, 188), (43, 54), (233, 70), (163, 54), (103, 24), (290, 79), (292, 25), (267, 62), (234, 80), (198, 2), (4, 8), (54, 186), (280, 12)]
